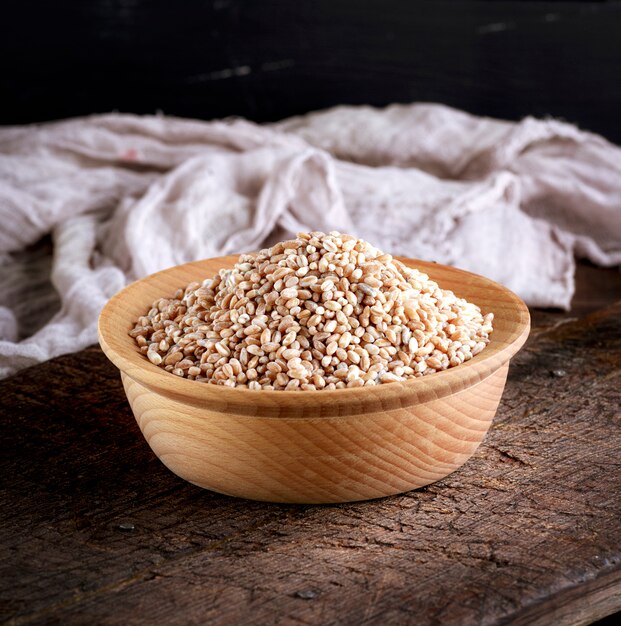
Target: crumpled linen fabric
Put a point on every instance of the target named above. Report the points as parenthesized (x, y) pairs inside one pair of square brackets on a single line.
[(122, 196)]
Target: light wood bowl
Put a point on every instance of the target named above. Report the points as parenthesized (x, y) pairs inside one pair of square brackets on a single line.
[(314, 446)]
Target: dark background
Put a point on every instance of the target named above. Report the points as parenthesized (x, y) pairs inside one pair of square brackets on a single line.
[(269, 59)]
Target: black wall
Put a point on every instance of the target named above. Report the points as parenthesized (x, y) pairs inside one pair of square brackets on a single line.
[(273, 58)]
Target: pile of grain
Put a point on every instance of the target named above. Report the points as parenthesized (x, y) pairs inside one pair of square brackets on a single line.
[(318, 312)]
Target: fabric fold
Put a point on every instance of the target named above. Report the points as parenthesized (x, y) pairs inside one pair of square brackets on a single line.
[(122, 196)]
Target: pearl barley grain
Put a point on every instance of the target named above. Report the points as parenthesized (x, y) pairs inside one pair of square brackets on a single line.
[(317, 312)]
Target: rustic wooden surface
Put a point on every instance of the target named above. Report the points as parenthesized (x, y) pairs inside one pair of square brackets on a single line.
[(95, 530)]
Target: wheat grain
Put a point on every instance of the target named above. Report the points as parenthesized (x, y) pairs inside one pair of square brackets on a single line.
[(317, 312)]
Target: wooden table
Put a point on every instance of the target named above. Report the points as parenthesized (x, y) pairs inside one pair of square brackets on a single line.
[(95, 530)]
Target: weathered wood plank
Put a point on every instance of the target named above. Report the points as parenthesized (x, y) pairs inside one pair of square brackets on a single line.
[(98, 530), (596, 599)]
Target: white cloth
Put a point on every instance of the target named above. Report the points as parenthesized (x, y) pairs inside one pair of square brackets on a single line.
[(124, 196)]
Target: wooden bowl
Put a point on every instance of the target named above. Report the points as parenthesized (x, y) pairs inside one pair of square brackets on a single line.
[(314, 446)]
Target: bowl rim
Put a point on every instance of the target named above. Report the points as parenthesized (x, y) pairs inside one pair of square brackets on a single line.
[(125, 355)]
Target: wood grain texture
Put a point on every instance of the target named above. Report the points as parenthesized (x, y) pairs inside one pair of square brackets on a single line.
[(317, 460), (96, 530), (322, 446)]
